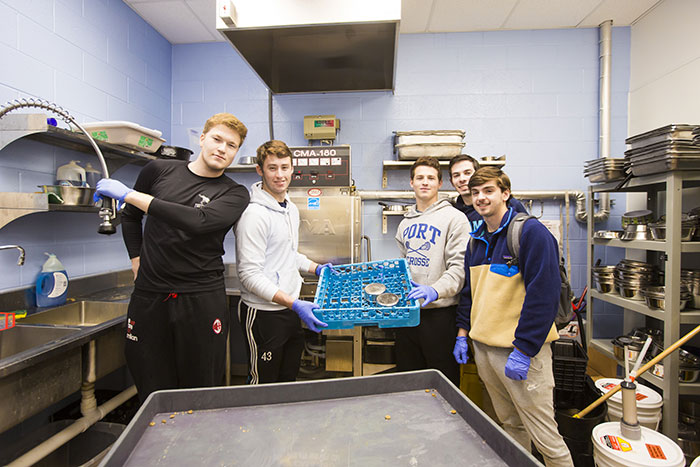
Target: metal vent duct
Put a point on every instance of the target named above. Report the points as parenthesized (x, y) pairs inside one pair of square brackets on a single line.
[(331, 46)]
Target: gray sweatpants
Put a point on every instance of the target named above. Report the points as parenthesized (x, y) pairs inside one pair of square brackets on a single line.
[(525, 408)]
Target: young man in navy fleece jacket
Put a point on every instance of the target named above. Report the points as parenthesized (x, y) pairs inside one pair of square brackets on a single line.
[(508, 310)]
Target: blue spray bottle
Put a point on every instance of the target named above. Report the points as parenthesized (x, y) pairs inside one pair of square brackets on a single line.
[(51, 283)]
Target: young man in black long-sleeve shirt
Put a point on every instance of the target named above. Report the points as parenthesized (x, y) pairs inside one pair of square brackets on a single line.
[(177, 320)]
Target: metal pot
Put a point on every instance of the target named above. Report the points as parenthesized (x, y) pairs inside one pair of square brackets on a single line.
[(247, 160), (634, 346), (643, 216), (393, 207), (69, 195)]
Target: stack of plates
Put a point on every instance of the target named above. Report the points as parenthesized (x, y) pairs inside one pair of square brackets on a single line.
[(696, 135), (604, 169), (665, 149)]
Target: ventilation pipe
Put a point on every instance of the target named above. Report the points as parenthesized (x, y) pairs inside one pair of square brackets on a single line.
[(605, 56)]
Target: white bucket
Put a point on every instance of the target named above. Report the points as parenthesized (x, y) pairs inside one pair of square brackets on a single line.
[(649, 403), (611, 449)]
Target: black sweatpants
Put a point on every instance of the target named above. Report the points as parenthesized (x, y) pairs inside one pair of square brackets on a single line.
[(430, 344), (176, 340), (275, 341)]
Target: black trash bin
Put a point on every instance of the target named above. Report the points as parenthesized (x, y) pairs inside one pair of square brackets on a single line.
[(577, 431)]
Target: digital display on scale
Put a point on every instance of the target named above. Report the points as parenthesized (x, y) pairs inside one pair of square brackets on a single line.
[(324, 123), (321, 165)]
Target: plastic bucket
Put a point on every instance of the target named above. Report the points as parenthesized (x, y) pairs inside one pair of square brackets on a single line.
[(649, 403), (611, 449)]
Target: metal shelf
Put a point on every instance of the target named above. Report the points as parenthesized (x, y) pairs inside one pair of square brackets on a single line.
[(672, 184), (241, 168), (34, 126), (651, 245), (403, 165), (685, 389), (606, 348), (634, 305), (688, 316), (647, 182)]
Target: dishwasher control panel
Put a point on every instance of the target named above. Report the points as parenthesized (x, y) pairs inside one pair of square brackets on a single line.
[(321, 166)]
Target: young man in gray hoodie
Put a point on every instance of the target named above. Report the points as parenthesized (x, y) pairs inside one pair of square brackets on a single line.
[(268, 263), (432, 237)]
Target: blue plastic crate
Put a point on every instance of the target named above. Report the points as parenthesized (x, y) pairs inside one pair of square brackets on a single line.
[(344, 303)]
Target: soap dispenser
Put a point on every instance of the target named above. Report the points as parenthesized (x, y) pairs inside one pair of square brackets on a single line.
[(51, 283)]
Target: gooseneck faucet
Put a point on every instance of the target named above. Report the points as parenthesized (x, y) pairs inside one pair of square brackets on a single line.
[(20, 260), (106, 213)]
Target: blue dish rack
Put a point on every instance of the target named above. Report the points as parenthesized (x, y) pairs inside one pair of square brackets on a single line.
[(344, 303)]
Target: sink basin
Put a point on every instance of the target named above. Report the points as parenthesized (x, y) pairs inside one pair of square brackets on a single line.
[(85, 313), (21, 338)]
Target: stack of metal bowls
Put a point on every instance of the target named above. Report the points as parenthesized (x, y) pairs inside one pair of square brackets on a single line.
[(604, 278), (655, 296), (694, 214), (642, 216), (632, 276), (689, 226), (635, 225), (691, 279), (633, 344)]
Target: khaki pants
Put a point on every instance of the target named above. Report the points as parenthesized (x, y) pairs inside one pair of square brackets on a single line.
[(525, 408)]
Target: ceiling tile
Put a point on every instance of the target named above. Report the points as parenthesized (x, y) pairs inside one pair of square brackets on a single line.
[(206, 12), (622, 12), (548, 14), (469, 15), (415, 15), (188, 21), (174, 20)]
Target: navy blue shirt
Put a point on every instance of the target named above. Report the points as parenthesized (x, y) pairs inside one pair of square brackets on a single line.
[(475, 219)]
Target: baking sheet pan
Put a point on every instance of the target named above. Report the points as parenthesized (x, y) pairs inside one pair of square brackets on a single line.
[(323, 422), (673, 132)]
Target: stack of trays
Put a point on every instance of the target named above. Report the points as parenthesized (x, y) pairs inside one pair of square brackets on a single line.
[(666, 149), (696, 135), (604, 169), (443, 144)]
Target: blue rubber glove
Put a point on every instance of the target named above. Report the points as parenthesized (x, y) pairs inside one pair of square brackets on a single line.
[(460, 351), (110, 188), (422, 291), (320, 267), (305, 311), (517, 365)]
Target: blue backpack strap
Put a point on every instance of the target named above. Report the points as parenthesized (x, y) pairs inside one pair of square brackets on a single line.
[(513, 233)]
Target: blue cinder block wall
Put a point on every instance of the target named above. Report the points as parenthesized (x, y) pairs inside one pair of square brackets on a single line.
[(531, 95)]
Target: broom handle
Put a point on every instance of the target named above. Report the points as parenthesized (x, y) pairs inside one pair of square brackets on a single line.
[(644, 368)]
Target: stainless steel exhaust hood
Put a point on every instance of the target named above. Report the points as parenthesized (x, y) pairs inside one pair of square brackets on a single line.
[(300, 46)]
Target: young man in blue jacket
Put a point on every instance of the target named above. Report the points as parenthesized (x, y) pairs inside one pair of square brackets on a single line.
[(508, 310), (461, 169)]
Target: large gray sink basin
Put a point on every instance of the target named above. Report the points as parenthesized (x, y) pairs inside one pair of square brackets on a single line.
[(85, 313), (21, 338)]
